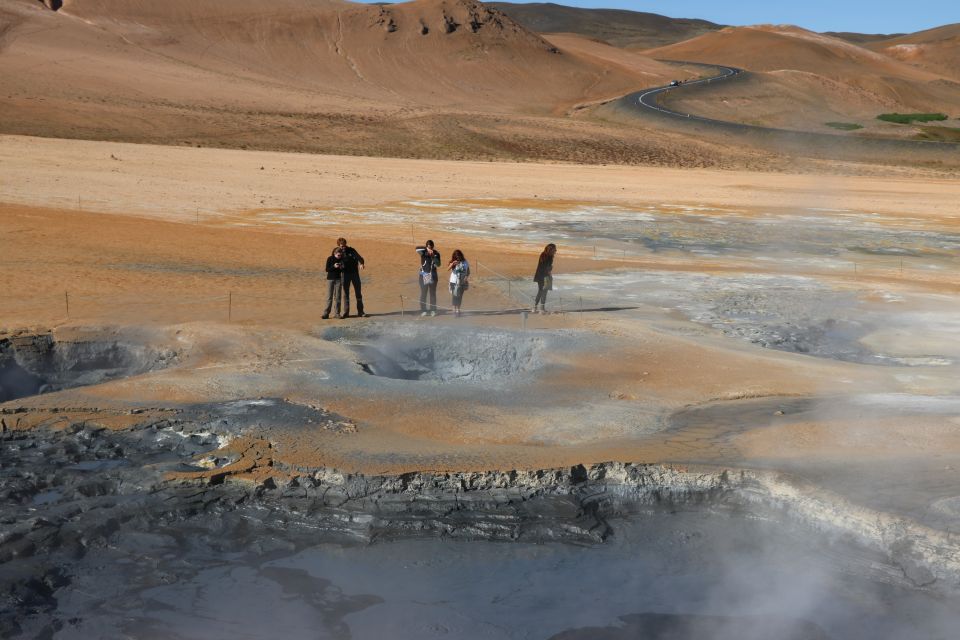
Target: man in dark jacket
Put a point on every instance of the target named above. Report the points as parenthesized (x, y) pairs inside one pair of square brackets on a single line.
[(352, 264)]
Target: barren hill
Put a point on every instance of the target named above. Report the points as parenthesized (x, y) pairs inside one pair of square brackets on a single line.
[(428, 78), (936, 50), (424, 52), (632, 29), (803, 80)]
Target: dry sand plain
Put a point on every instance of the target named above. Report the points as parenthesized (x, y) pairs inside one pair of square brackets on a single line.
[(178, 239)]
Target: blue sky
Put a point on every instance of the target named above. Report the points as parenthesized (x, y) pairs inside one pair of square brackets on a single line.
[(862, 16)]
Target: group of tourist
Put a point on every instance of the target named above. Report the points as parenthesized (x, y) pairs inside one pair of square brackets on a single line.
[(345, 263)]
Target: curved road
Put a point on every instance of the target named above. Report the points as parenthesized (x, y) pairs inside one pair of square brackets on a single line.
[(648, 97), (646, 102)]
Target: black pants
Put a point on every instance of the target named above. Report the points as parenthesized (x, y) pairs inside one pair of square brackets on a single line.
[(352, 279), (432, 288), (541, 295)]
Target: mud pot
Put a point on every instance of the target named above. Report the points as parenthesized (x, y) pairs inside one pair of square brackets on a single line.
[(36, 364), (104, 535), (407, 352)]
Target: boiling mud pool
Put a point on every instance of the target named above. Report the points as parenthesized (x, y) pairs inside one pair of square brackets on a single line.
[(662, 575)]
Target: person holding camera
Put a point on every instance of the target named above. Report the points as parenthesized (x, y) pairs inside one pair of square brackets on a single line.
[(335, 271), (459, 279), (429, 261), (353, 264)]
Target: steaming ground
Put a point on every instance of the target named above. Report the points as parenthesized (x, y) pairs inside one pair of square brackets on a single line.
[(789, 376)]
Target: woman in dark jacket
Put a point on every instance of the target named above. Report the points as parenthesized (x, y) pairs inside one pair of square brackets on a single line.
[(335, 268), (544, 277), (429, 261)]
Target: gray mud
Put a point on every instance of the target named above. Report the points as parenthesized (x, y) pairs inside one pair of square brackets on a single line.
[(95, 542), (787, 313), (37, 364), (441, 354)]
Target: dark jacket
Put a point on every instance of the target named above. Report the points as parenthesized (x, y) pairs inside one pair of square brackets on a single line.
[(428, 264), (544, 269), (333, 271), (351, 261)]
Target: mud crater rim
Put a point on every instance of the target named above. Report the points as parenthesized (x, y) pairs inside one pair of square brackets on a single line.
[(36, 364), (442, 355)]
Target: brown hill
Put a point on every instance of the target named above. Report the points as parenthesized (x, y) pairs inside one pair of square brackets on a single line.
[(861, 38), (936, 50), (777, 47), (620, 28), (429, 78), (451, 52), (804, 80)]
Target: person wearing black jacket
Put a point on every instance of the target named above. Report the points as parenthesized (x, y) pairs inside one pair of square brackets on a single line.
[(335, 270), (352, 265), (544, 277), (429, 261)]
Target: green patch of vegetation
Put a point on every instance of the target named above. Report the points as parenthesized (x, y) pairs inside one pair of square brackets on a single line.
[(940, 134), (908, 118), (844, 126)]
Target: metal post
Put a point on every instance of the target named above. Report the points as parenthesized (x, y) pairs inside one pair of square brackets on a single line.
[(509, 290), (523, 320), (402, 310), (581, 304), (66, 297), (561, 305), (230, 307)]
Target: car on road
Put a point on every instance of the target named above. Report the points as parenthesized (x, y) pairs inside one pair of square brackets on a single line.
[(674, 83)]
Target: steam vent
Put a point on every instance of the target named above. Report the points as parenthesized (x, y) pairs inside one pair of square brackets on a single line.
[(482, 321)]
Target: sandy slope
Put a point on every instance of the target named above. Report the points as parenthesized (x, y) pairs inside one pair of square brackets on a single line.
[(171, 181), (936, 50)]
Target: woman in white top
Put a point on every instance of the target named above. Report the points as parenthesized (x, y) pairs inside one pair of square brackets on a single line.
[(459, 279)]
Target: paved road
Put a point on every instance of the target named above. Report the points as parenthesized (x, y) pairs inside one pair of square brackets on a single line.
[(646, 102), (648, 97)]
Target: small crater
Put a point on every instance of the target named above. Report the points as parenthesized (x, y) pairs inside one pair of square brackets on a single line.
[(37, 364), (441, 355)]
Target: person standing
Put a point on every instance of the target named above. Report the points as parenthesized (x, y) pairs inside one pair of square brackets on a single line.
[(429, 261), (335, 269), (544, 277), (459, 279), (352, 265)]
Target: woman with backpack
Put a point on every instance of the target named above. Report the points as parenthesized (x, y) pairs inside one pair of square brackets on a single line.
[(429, 261), (459, 279), (544, 277)]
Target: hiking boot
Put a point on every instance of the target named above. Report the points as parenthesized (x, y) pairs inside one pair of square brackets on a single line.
[(433, 313), (325, 316), (423, 314)]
